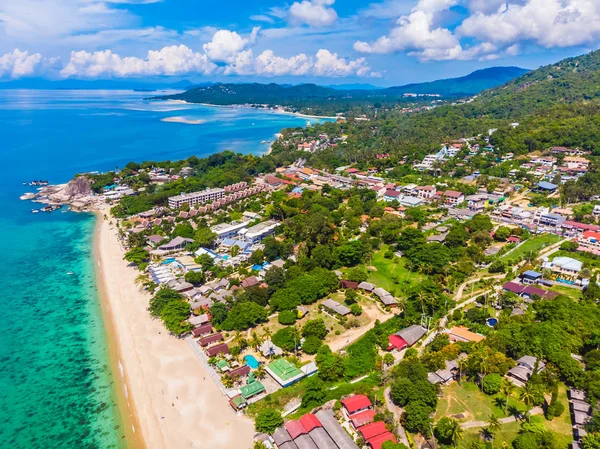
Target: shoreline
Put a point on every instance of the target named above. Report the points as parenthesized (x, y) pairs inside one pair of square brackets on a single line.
[(172, 401), (242, 106), (129, 418)]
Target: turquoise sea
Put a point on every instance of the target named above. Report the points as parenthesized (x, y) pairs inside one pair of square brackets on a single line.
[(56, 385)]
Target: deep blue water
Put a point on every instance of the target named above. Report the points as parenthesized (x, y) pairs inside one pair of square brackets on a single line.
[(56, 386)]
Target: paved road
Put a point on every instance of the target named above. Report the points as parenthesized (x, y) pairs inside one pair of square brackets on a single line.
[(397, 411)]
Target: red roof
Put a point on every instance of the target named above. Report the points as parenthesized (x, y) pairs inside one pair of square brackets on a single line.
[(202, 330), (361, 418), (452, 194), (295, 429), (393, 193), (513, 239), (378, 441), (591, 235), (372, 430), (513, 287), (352, 170), (310, 421), (356, 403), (241, 371), (397, 342), (576, 224)]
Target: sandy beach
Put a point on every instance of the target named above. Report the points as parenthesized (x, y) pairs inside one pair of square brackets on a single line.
[(169, 395)]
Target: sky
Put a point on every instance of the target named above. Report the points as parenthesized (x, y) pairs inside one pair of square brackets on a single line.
[(386, 42)]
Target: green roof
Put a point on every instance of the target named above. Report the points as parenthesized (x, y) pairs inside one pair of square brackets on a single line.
[(284, 369), (222, 364), (238, 401), (252, 389)]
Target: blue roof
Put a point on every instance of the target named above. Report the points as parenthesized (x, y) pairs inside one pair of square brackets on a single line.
[(532, 274), (547, 185)]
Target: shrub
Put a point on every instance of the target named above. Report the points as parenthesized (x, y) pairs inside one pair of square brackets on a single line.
[(311, 345), (356, 309), (268, 420), (492, 383), (287, 317)]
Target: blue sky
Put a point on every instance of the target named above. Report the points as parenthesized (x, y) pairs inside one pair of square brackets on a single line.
[(386, 42)]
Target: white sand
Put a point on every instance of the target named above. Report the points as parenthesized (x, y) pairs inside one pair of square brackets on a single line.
[(177, 404), (187, 121)]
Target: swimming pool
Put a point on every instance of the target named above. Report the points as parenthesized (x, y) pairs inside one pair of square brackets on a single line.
[(168, 261), (251, 361), (492, 322)]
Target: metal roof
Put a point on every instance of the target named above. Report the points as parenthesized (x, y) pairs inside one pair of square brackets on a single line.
[(335, 431)]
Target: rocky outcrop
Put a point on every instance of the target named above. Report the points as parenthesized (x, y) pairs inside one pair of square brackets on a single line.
[(77, 194)]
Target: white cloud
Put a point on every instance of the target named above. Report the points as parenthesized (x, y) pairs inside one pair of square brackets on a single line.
[(173, 60), (494, 28), (324, 64), (387, 9), (417, 34), (317, 13), (225, 45), (548, 23), (19, 63), (262, 18)]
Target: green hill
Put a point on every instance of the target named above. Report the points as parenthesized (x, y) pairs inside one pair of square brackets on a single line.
[(312, 95)]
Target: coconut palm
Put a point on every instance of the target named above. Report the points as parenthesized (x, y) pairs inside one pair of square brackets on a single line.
[(255, 341), (267, 333), (260, 372), (528, 398), (494, 425), (227, 381), (456, 433), (507, 389), (462, 364)]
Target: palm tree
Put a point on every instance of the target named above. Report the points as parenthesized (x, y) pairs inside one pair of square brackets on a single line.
[(237, 338), (267, 333), (255, 341), (227, 381), (260, 372), (528, 398), (494, 425), (507, 389), (456, 433)]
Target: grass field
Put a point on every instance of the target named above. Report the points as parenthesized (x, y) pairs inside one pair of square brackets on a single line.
[(388, 271), (507, 433), (468, 400), (533, 244)]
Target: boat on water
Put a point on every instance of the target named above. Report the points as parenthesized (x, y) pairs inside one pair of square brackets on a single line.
[(35, 211), (70, 273), (38, 183), (263, 142)]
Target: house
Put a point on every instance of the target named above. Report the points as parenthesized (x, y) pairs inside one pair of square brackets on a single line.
[(564, 265), (177, 244), (209, 340), (258, 232), (348, 284), (202, 330), (453, 198), (268, 349), (251, 390), (356, 403), (531, 277), (283, 372), (391, 195), (336, 307), (441, 376), (546, 187), (363, 418), (366, 286), (526, 365), (179, 285), (462, 334), (240, 372), (385, 297), (426, 193), (217, 349), (250, 281), (574, 228), (406, 337), (199, 320)]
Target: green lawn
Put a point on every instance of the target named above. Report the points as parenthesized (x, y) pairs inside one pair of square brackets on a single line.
[(390, 271), (572, 293), (467, 399), (507, 433), (533, 244)]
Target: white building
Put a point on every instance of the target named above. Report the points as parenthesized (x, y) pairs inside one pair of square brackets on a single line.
[(228, 230), (195, 198), (258, 232)]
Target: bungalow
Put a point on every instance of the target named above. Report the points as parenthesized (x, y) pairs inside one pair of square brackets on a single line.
[(240, 372), (217, 349), (462, 334), (177, 244), (366, 286), (336, 307), (406, 337), (525, 368), (199, 320), (348, 284), (441, 376), (251, 390), (250, 281), (203, 330), (363, 418), (385, 297), (179, 285), (214, 338), (268, 349)]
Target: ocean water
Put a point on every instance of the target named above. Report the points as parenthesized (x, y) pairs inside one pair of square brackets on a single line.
[(56, 385)]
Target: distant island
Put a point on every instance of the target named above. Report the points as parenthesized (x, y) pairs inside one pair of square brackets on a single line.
[(327, 99)]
